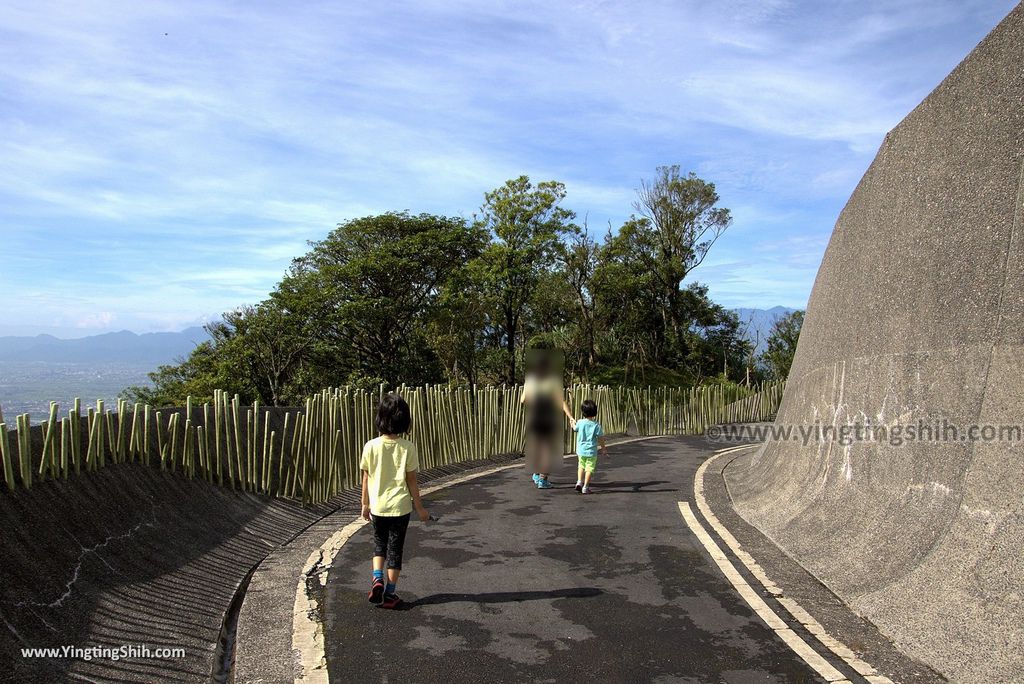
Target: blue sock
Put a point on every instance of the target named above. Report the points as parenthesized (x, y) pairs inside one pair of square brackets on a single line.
[(378, 575), (390, 588)]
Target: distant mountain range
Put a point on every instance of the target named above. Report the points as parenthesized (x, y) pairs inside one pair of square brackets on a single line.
[(148, 349), (36, 370), (154, 349), (758, 323)]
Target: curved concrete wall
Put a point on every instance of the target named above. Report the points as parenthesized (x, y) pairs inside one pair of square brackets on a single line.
[(128, 555), (918, 313)]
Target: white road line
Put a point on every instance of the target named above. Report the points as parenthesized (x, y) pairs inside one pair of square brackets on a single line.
[(771, 618), (307, 629), (791, 606)]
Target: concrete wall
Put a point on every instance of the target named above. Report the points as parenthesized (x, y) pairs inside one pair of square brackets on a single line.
[(918, 313)]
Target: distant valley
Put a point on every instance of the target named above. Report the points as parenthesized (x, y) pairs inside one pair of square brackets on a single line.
[(118, 347), (40, 369), (37, 370)]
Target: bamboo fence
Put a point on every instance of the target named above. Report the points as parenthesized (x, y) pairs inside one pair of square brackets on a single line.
[(312, 452)]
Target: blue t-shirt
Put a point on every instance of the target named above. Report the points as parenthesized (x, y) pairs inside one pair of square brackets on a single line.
[(587, 432)]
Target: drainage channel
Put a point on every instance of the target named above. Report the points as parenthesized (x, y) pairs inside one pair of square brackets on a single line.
[(224, 660)]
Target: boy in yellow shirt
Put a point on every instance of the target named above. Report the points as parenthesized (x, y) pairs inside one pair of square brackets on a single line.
[(390, 492)]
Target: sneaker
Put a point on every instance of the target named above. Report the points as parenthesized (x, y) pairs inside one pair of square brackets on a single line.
[(377, 591), (543, 484), (536, 478), (579, 486), (585, 490), (391, 601)]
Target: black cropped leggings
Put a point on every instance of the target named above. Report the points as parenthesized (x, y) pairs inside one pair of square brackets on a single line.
[(389, 538)]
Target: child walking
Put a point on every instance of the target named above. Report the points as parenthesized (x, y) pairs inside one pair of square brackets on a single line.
[(589, 440), (390, 492)]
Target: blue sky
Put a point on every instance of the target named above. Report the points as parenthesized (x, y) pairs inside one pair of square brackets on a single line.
[(162, 162)]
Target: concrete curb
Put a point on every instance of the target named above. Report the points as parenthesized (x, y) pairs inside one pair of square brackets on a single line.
[(266, 649), (792, 607)]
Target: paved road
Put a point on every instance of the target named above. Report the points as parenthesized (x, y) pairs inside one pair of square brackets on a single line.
[(516, 584)]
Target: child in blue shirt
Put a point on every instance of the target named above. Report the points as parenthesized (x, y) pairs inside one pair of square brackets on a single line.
[(589, 440)]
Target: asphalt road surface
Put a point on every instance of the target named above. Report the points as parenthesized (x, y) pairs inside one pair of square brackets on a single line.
[(516, 584)]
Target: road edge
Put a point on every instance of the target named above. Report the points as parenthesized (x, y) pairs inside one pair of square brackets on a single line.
[(795, 610), (308, 625)]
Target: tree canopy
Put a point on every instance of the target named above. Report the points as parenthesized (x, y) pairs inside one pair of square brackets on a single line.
[(782, 341), (399, 297)]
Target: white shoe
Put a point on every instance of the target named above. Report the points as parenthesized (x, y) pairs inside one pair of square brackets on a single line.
[(585, 490)]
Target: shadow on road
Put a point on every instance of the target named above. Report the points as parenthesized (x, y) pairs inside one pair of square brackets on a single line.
[(503, 597), (631, 487)]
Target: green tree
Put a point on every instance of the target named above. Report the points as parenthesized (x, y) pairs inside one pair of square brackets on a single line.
[(578, 264), (419, 298), (354, 310), (197, 375), (372, 285), (526, 224), (267, 344), (457, 332), (628, 322), (716, 344), (782, 341), (678, 223), (253, 351)]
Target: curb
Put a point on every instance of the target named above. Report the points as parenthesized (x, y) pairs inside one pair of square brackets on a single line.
[(264, 628), (797, 612)]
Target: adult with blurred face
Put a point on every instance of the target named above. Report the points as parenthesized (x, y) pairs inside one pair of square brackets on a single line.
[(543, 395)]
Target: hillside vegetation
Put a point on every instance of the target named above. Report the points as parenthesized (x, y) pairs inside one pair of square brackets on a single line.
[(403, 298)]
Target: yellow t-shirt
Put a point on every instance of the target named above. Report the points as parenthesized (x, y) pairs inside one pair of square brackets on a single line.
[(387, 461)]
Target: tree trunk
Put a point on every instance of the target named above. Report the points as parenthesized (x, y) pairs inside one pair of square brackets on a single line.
[(510, 348)]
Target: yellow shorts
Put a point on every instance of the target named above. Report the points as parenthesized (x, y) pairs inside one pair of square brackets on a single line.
[(588, 463)]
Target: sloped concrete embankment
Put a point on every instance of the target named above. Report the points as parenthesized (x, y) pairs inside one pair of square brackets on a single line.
[(916, 314), (128, 556)]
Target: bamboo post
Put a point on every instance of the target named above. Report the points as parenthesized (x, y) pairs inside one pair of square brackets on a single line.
[(133, 440), (279, 490), (49, 429), (101, 456), (6, 456), (25, 449), (65, 446), (111, 435), (268, 445), (76, 434), (90, 454), (236, 421), (145, 433), (172, 427)]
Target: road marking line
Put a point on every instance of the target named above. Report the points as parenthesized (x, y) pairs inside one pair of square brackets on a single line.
[(307, 628), (732, 449), (791, 606), (754, 600)]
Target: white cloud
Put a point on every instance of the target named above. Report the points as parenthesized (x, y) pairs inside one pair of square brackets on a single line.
[(165, 160), (100, 319)]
